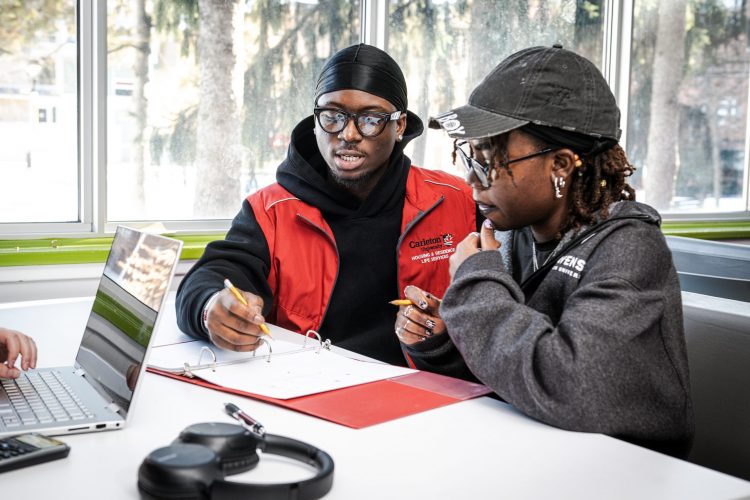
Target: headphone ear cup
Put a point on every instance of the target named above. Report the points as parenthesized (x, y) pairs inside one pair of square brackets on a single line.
[(233, 444), (179, 471)]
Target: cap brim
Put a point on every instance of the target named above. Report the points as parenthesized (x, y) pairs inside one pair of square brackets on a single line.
[(469, 122)]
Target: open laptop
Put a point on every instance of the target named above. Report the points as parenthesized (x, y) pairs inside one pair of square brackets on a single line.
[(98, 392)]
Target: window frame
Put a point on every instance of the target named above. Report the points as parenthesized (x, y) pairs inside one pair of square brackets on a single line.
[(91, 20)]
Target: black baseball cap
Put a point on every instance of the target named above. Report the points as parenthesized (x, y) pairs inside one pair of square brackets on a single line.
[(547, 86)]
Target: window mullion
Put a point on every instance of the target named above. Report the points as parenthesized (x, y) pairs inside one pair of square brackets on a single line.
[(85, 105), (99, 118), (616, 57), (375, 23), (746, 177)]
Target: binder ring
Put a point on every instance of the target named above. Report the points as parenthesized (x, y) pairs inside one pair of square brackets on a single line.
[(317, 336), (270, 349), (321, 345), (211, 353)]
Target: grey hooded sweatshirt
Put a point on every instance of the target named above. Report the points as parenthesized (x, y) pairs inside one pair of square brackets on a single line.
[(593, 341)]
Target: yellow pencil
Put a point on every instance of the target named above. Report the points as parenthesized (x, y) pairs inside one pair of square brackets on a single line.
[(228, 284), (401, 302)]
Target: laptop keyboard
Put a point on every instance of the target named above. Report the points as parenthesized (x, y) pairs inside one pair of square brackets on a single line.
[(39, 398)]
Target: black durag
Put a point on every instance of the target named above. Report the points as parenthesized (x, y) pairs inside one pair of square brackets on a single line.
[(366, 68)]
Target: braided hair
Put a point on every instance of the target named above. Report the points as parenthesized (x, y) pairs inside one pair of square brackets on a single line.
[(599, 181)]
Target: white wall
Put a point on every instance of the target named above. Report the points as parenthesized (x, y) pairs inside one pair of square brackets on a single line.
[(21, 283)]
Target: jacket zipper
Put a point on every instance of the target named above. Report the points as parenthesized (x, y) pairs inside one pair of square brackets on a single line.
[(409, 226), (338, 264)]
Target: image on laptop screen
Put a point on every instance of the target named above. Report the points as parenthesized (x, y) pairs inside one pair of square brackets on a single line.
[(134, 282)]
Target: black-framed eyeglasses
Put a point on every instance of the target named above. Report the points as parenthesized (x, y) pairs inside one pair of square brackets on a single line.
[(482, 172), (368, 123)]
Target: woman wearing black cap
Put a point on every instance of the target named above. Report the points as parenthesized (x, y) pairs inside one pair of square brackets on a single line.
[(567, 304), (347, 225)]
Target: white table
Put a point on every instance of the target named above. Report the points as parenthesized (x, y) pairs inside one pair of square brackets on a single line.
[(471, 450)]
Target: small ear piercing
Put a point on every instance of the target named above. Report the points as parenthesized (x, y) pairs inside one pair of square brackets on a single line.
[(578, 163), (559, 184), (400, 138)]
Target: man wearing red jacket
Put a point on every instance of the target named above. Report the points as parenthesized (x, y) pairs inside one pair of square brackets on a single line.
[(348, 224)]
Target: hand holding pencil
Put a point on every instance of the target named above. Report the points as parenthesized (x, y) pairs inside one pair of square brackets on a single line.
[(418, 317), (234, 319), (228, 284)]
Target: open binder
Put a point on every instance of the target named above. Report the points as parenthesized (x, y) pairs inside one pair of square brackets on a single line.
[(208, 360), (356, 406)]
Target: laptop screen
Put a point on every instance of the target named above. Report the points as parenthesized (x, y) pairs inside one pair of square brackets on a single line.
[(131, 291)]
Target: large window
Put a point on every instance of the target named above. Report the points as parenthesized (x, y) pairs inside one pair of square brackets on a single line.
[(201, 104), (446, 47), (687, 126), (38, 112), (153, 110)]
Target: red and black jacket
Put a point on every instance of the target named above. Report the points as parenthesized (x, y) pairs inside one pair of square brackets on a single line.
[(321, 259), (438, 212)]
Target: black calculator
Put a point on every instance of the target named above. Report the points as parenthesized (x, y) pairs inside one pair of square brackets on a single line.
[(29, 449)]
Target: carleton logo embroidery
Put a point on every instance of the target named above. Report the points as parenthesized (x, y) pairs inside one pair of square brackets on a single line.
[(433, 249), (572, 266), (433, 243)]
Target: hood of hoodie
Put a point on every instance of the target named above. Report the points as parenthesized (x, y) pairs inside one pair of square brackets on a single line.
[(304, 173), (620, 210)]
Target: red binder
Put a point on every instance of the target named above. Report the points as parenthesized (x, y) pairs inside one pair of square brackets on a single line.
[(367, 404)]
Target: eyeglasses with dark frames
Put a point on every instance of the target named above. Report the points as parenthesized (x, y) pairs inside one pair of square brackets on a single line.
[(368, 123), (482, 172)]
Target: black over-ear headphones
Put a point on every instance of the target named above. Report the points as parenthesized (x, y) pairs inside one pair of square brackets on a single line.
[(194, 466)]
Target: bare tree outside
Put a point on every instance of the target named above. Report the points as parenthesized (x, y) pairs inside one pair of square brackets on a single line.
[(140, 70), (661, 162), (218, 138), (687, 122), (446, 48)]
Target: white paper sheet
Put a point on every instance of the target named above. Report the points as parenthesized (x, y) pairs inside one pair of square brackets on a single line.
[(172, 357), (292, 371), (300, 374)]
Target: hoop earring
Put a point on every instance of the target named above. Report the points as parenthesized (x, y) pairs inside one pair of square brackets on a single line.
[(559, 184)]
